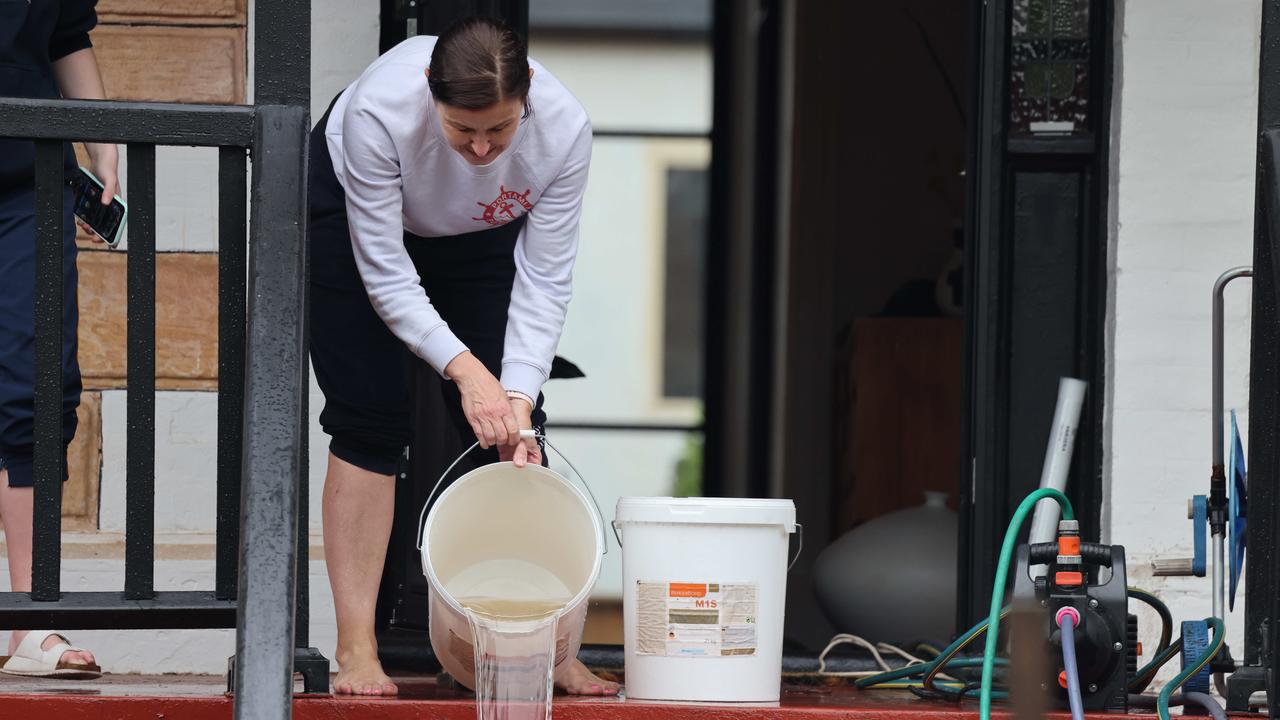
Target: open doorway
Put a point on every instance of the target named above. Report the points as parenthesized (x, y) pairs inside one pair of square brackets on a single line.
[(877, 226), (897, 310), (946, 266)]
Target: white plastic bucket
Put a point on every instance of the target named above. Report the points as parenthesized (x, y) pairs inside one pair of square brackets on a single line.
[(704, 594), (495, 518)]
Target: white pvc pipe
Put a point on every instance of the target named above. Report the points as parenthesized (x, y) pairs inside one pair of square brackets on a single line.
[(1057, 460)]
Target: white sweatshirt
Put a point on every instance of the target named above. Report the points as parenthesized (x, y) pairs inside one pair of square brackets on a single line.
[(399, 174)]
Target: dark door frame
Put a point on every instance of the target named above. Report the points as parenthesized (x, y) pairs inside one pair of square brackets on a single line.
[(747, 199), (1262, 604), (1001, 363)]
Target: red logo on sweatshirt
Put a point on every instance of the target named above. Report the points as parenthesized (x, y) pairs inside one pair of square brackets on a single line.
[(504, 208)]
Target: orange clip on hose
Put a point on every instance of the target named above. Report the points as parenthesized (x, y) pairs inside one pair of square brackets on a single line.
[(1069, 545)]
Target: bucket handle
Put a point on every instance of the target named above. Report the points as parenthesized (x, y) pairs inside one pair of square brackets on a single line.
[(794, 558), (422, 516)]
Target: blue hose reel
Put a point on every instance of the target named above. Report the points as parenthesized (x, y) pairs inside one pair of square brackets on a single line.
[(1195, 643), (1237, 522)]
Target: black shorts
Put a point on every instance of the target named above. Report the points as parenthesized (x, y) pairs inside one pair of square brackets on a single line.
[(362, 369), (17, 332)]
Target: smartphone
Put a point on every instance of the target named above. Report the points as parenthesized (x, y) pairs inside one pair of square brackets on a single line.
[(106, 221)]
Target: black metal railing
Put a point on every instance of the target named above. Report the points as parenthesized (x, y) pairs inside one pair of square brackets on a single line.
[(261, 468), (141, 127)]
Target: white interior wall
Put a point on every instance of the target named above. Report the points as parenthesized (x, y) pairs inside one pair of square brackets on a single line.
[(633, 84)]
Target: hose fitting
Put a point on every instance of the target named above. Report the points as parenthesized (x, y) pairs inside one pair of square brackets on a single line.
[(1069, 561), (1069, 542), (1065, 612)]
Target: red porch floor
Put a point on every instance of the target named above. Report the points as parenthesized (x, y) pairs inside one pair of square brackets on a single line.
[(178, 697)]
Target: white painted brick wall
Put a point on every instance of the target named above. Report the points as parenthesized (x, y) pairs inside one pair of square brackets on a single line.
[(186, 461), (344, 40), (1185, 121), (186, 199)]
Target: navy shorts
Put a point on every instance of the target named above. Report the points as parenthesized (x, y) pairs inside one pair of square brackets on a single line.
[(17, 332), (363, 369)]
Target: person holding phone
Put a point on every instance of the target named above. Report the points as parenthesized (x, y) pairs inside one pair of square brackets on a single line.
[(45, 53), (446, 190)]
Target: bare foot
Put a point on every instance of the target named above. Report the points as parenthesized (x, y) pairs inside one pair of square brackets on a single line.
[(71, 657), (362, 675), (576, 679)]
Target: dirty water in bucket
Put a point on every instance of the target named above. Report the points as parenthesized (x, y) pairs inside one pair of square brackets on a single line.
[(510, 556), (513, 608)]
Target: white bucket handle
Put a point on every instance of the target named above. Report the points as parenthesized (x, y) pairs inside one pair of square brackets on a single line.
[(799, 546), (794, 558), (422, 516)]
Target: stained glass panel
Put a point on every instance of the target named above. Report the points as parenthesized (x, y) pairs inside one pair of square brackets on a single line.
[(1049, 67)]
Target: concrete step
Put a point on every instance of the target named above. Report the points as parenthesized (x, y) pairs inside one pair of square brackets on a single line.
[(174, 546), (203, 697)]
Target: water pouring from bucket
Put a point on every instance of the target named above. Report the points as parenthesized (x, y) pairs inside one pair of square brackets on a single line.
[(510, 555)]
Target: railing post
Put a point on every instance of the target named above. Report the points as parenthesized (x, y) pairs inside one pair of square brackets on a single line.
[(282, 95), (50, 456), (263, 678), (140, 481), (232, 218), (282, 53)]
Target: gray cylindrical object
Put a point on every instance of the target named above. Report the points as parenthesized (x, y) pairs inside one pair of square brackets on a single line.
[(1218, 416), (1057, 460), (1219, 323), (1057, 455), (893, 578)]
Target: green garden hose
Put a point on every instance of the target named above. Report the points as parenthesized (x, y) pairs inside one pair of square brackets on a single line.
[(1162, 702), (908, 671), (997, 592)]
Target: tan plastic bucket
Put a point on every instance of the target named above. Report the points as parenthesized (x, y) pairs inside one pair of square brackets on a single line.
[(499, 530)]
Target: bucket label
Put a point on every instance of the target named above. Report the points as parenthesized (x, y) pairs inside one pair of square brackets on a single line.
[(688, 619)]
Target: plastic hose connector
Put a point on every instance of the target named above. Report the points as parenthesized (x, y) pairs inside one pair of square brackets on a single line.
[(1092, 553), (1063, 612), (1199, 529)]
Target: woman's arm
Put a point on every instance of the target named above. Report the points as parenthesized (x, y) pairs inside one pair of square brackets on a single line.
[(78, 78), (544, 258)]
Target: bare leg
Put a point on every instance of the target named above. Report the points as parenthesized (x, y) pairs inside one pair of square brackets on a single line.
[(575, 679), (15, 511), (358, 509)]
